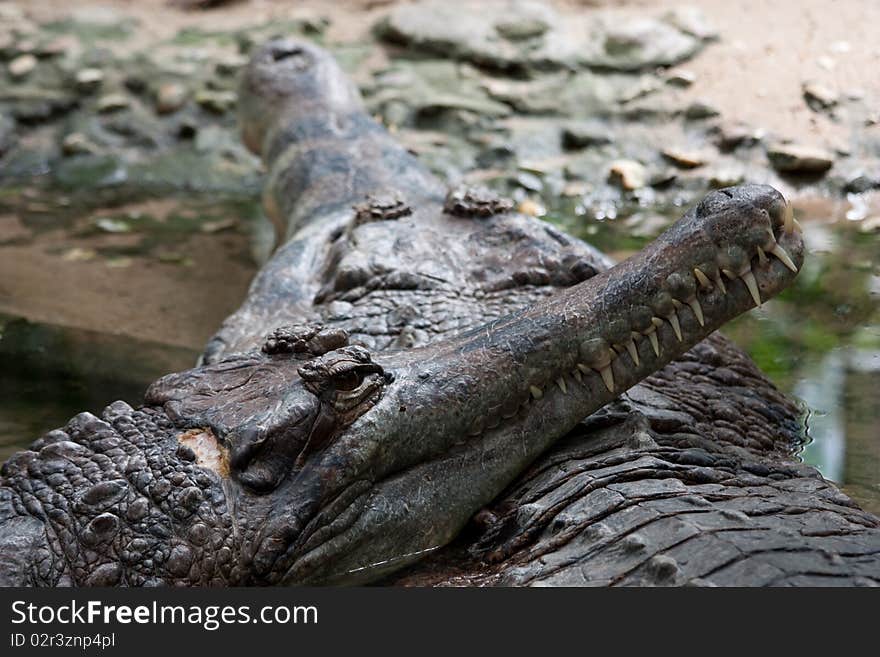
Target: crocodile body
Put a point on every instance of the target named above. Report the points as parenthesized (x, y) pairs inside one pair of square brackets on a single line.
[(429, 388)]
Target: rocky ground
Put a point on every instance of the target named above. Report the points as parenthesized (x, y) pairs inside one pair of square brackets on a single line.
[(129, 208)]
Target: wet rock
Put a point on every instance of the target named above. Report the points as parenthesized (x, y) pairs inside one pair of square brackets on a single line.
[(433, 95), (170, 97), (218, 102), (522, 27), (692, 21), (230, 65), (585, 135), (799, 159), (34, 106), (663, 178), (859, 182), (700, 109), (684, 159), (728, 136), (819, 97), (488, 33), (22, 66), (89, 80), (628, 174), (496, 157), (528, 181), (76, 143), (524, 35), (636, 44), (681, 79), (112, 103)]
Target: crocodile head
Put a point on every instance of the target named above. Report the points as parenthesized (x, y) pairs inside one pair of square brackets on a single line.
[(357, 464)]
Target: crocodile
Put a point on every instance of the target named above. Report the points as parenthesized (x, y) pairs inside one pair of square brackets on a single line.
[(426, 387)]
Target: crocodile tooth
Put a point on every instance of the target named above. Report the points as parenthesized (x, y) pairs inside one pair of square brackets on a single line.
[(729, 274), (608, 377), (652, 336), (583, 368), (798, 227), (703, 279), (576, 373), (781, 253), (561, 383), (537, 393), (762, 257), (633, 352), (720, 283), (752, 284), (673, 319), (698, 310)]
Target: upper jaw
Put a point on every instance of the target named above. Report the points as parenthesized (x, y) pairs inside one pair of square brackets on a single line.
[(463, 417), (736, 250)]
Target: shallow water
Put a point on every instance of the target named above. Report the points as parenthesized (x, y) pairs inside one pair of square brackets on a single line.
[(819, 341)]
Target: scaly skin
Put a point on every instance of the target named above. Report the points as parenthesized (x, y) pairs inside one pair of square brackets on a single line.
[(404, 386)]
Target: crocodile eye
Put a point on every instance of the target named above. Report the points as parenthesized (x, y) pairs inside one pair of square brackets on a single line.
[(347, 381)]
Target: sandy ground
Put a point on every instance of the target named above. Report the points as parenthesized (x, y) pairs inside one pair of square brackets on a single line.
[(755, 73)]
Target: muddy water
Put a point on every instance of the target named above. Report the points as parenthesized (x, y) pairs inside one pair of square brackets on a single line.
[(820, 341)]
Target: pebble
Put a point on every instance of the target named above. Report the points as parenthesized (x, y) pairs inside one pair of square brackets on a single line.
[(576, 136), (89, 79), (230, 65), (681, 78), (700, 110), (112, 103), (731, 135), (22, 66), (76, 143), (170, 97), (797, 158), (531, 208), (216, 101), (628, 174), (684, 159), (818, 96)]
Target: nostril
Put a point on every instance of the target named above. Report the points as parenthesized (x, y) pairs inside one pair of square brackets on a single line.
[(282, 53), (726, 192)]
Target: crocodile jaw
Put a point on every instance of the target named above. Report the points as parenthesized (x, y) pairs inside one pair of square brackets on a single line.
[(465, 416)]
